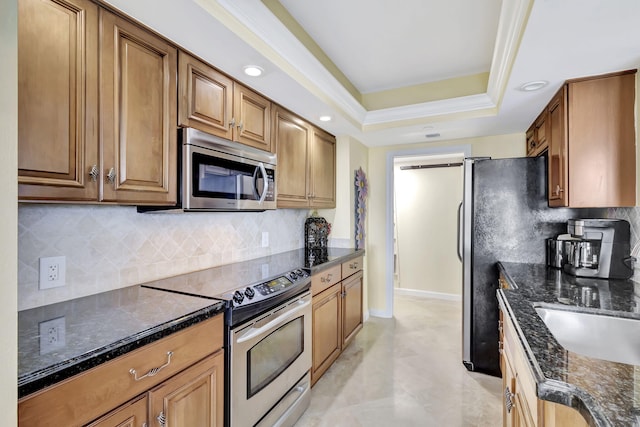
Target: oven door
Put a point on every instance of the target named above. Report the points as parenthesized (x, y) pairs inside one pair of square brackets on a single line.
[(269, 356), (214, 180)]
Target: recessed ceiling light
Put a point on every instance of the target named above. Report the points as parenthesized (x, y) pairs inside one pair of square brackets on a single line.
[(325, 118), (531, 86), (253, 70)]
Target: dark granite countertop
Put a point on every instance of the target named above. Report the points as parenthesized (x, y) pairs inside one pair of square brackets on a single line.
[(605, 393), (216, 281), (98, 328)]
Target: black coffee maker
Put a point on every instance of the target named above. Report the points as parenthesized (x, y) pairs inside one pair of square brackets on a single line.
[(599, 248)]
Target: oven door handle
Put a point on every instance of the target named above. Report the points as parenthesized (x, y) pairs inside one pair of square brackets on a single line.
[(268, 323)]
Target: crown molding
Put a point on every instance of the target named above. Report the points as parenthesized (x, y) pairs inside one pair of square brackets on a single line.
[(254, 23)]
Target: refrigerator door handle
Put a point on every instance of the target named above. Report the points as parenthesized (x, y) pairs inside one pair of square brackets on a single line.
[(460, 231)]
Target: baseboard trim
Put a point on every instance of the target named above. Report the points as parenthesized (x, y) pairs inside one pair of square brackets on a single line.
[(427, 294)]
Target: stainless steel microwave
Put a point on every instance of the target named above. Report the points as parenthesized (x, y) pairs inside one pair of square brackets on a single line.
[(221, 175)]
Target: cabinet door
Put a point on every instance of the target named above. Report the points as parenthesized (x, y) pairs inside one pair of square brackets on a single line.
[(57, 99), (557, 157), (138, 114), (323, 170), (252, 114), (541, 125), (531, 140), (205, 97), (327, 327), (194, 397), (132, 414), (351, 307), (508, 395), (291, 143)]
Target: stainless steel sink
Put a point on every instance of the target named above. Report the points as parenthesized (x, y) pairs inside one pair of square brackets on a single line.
[(600, 336)]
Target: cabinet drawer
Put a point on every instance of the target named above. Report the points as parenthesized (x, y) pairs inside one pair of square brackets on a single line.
[(351, 266), (324, 279), (90, 394)]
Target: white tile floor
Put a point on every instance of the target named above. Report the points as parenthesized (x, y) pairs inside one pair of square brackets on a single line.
[(406, 371)]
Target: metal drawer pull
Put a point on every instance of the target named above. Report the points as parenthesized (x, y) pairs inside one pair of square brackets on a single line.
[(94, 173), (326, 279), (111, 176), (354, 265), (153, 371), (508, 403), (162, 419)]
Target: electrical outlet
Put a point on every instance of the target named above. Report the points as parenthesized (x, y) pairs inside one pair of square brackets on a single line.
[(52, 272), (52, 335), (265, 239)]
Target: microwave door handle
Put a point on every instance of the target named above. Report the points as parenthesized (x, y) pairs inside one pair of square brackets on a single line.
[(265, 186)]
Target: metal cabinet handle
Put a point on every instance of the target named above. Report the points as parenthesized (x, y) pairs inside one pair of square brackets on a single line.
[(94, 173), (153, 371), (558, 190), (111, 176), (232, 122), (241, 126), (327, 279), (353, 265), (508, 399), (162, 419)]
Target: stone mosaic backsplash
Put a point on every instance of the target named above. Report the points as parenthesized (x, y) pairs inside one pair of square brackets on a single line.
[(110, 247)]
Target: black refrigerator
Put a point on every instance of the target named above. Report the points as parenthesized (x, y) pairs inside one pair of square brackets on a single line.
[(504, 216)]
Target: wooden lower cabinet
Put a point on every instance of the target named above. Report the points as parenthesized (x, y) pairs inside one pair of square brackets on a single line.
[(351, 307), (327, 326), (521, 406), (195, 397), (187, 387), (337, 313), (132, 414)]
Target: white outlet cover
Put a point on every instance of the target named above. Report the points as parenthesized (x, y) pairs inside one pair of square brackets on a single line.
[(52, 335), (265, 239), (45, 263)]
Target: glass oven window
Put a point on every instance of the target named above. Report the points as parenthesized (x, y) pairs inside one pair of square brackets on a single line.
[(274, 354), (224, 179)]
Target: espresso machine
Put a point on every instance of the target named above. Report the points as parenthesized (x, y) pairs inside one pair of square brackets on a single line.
[(598, 248)]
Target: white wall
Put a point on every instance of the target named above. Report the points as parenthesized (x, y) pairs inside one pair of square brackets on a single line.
[(426, 202), (512, 145), (8, 211)]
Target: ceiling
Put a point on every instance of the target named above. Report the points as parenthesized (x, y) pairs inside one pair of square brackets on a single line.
[(391, 75)]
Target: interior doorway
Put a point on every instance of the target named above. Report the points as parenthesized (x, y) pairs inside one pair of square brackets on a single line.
[(421, 244), (427, 194)]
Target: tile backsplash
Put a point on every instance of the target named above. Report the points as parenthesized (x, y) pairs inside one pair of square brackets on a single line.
[(110, 247)]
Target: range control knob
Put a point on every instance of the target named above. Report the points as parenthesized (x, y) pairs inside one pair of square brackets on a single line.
[(293, 276), (301, 273), (249, 292), (238, 297)]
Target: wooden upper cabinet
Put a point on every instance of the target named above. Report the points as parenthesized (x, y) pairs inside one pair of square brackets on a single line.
[(557, 153), (323, 170), (291, 143), (537, 142), (138, 113), (601, 141), (57, 99), (205, 97), (214, 103), (592, 142), (252, 118)]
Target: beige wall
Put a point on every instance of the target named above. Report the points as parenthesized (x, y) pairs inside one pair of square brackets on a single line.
[(351, 154), (512, 145), (426, 203), (8, 211)]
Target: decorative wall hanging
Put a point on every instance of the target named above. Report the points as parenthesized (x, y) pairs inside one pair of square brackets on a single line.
[(362, 188)]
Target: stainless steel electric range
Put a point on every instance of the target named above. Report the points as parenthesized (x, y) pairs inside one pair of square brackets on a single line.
[(267, 338)]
